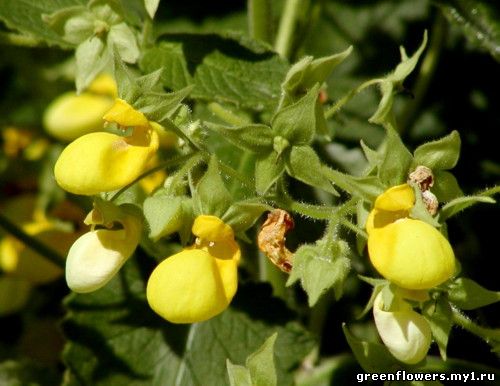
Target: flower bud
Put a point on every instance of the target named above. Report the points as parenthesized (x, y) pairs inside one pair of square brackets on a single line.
[(98, 255), (405, 333)]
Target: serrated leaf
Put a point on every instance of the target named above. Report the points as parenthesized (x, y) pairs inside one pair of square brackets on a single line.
[(478, 21), (297, 122), (114, 338), (468, 295), (211, 194), (224, 69), (268, 168), (394, 167), (303, 164), (439, 315), (372, 357), (243, 214), (26, 16), (320, 267), (256, 138), (441, 154), (261, 364), (458, 204)]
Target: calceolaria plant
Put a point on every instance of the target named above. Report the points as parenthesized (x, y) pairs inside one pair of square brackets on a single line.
[(195, 156)]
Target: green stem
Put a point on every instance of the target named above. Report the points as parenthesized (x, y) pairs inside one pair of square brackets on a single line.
[(226, 115), (286, 29), (147, 33), (259, 19), (426, 73), (171, 162), (9, 38), (32, 242), (490, 335), (346, 98)]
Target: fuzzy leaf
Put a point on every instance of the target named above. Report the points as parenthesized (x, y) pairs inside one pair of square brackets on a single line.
[(238, 375), (458, 204), (367, 188), (164, 214), (255, 138), (446, 186), (114, 338), (297, 122), (243, 214), (303, 164), (469, 295), (397, 160), (439, 315), (268, 168), (211, 194), (261, 364), (439, 155), (224, 69)]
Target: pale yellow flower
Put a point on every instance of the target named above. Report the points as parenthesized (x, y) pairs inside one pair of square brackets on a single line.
[(70, 115), (408, 252), (405, 333), (199, 282)]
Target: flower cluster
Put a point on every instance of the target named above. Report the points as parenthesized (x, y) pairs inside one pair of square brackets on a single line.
[(414, 256)]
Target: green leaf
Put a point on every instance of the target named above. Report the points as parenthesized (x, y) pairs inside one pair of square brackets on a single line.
[(212, 195), (393, 83), (468, 295), (320, 267), (367, 188), (446, 186), (373, 157), (397, 159), (303, 164), (151, 7), (161, 106), (439, 315), (114, 338), (268, 168), (122, 38), (224, 69), (74, 24), (92, 57), (256, 138), (238, 375), (372, 357), (26, 16), (243, 214), (261, 364), (164, 214), (478, 20), (419, 210), (297, 122), (439, 155), (458, 204)]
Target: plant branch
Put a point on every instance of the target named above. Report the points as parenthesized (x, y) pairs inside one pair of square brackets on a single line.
[(259, 19), (286, 29)]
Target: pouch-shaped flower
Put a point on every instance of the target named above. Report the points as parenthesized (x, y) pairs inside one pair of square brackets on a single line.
[(405, 333), (103, 162), (408, 252), (70, 115), (199, 282), (98, 255)]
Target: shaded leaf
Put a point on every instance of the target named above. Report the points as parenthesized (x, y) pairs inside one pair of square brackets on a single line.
[(441, 154), (439, 315), (468, 295)]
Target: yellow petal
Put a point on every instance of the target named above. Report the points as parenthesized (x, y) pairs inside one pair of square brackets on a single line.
[(405, 333), (98, 255), (397, 198), (104, 84), (212, 228), (71, 116), (412, 254), (102, 162), (125, 115), (187, 287)]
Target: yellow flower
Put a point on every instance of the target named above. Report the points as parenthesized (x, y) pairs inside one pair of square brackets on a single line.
[(199, 282), (103, 162), (19, 261), (70, 115), (405, 333), (98, 255), (408, 252)]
